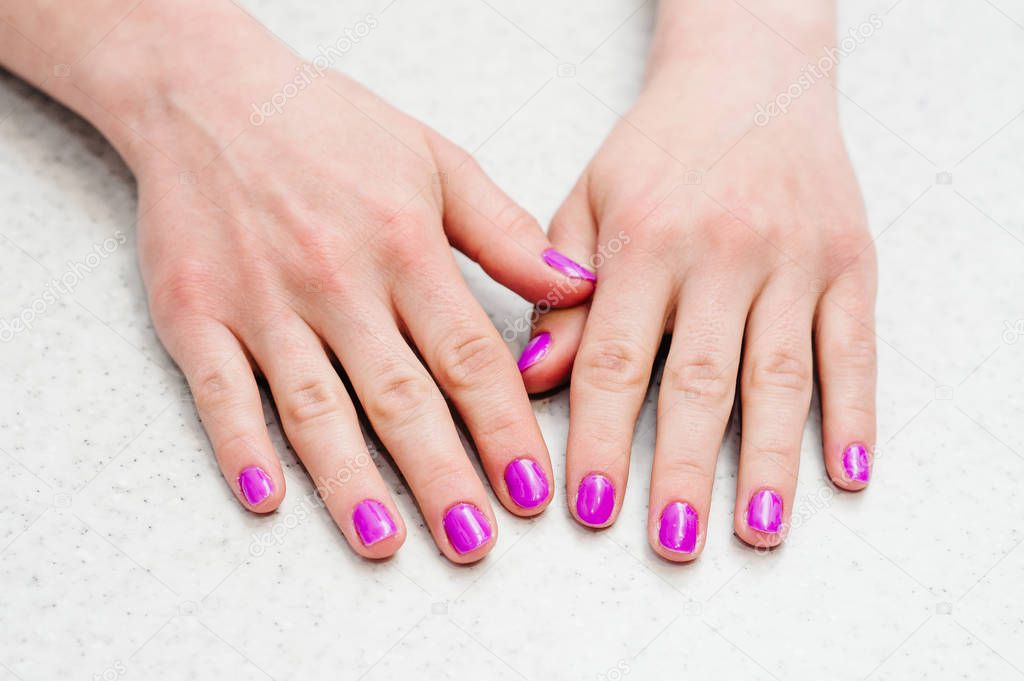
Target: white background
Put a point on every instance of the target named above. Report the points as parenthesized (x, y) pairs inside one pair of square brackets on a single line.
[(123, 553)]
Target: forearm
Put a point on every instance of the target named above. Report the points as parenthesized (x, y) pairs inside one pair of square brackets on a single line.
[(129, 68), (747, 62)]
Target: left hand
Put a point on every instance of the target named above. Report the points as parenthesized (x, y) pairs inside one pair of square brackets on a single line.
[(740, 239)]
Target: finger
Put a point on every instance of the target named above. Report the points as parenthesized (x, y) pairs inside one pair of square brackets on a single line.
[(547, 358), (323, 427), (474, 368), (609, 380), (412, 420), (698, 386), (228, 402), (775, 386), (489, 227), (845, 345)]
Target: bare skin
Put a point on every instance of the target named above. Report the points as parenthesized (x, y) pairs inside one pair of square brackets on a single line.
[(281, 243), (747, 241), (319, 233)]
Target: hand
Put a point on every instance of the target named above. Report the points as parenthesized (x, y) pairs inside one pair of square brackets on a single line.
[(317, 231), (738, 239)]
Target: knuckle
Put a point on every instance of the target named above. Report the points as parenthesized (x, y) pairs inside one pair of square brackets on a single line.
[(468, 358), (311, 402), (779, 370), (399, 396), (188, 289), (617, 364), (857, 354), (687, 467), (213, 389), (441, 478), (730, 236), (702, 377)]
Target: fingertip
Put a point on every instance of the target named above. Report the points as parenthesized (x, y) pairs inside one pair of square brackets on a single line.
[(382, 549), (527, 489), (258, 490), (467, 533), (850, 467)]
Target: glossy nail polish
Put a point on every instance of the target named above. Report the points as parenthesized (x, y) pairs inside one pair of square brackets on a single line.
[(373, 522), (526, 482), (764, 512), (255, 485), (535, 351), (467, 527), (595, 499), (678, 529), (567, 266), (856, 464)]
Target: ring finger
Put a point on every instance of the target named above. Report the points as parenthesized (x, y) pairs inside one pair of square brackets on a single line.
[(323, 427), (412, 419)]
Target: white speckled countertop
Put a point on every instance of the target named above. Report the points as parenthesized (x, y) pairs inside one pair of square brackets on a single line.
[(124, 555)]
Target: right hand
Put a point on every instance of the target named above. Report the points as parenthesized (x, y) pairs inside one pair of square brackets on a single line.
[(322, 233)]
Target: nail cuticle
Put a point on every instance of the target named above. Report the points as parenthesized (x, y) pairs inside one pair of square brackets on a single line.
[(764, 511), (567, 266), (527, 485), (255, 485), (467, 527), (679, 527), (535, 351), (857, 463), (595, 499), (373, 522)]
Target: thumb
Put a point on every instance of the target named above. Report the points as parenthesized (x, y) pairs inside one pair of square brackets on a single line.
[(507, 242), (546, 360)]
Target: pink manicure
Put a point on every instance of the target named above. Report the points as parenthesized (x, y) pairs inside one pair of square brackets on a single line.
[(255, 485), (467, 528), (678, 531), (526, 482), (595, 499), (567, 266), (373, 522), (764, 513), (856, 463), (535, 351)]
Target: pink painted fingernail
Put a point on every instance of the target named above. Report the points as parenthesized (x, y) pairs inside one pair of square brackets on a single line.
[(567, 266), (764, 513), (678, 531), (527, 484), (595, 499), (856, 463), (535, 351), (467, 527), (373, 522), (255, 485)]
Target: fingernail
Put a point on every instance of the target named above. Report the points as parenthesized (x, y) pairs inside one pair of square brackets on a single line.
[(567, 266), (527, 484), (764, 513), (373, 522), (856, 464), (255, 485), (467, 528), (535, 351), (595, 499), (678, 531)]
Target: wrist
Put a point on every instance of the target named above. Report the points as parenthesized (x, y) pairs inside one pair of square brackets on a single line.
[(172, 70), (730, 57)]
